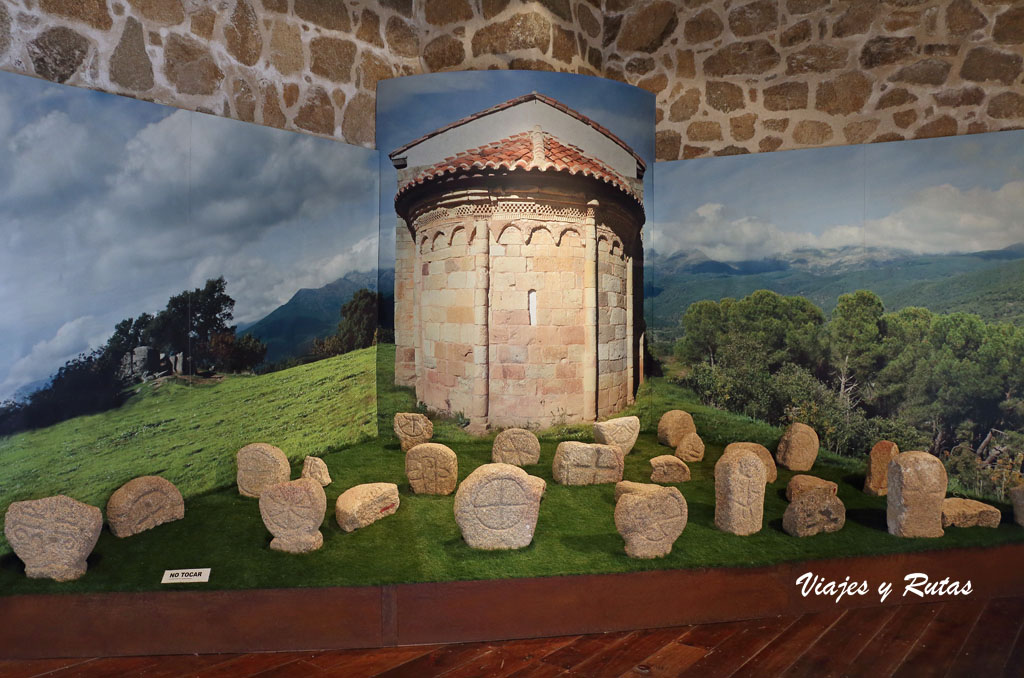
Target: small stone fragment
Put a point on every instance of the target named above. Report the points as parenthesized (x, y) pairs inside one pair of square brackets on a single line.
[(1017, 498), (432, 468), (917, 488), (740, 479), (260, 466), (316, 468), (673, 425), (876, 482), (799, 484), (579, 463), (650, 521), (142, 504), (621, 432), (53, 536), (365, 504), (497, 505), (690, 447), (814, 512), (798, 447), (293, 512), (958, 512), (771, 472), (668, 468), (412, 429), (516, 446)]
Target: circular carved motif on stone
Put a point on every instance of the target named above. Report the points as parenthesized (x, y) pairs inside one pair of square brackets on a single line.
[(500, 503), (516, 446)]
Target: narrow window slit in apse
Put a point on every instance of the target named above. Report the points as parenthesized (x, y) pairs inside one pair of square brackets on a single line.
[(533, 306)]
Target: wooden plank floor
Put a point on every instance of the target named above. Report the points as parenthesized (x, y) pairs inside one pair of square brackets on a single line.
[(952, 639)]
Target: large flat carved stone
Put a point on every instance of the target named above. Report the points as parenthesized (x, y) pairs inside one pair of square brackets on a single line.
[(579, 463), (53, 536), (740, 479), (957, 512), (365, 504), (917, 488), (293, 512), (650, 521), (432, 468), (142, 504), (260, 466), (516, 446), (413, 429), (497, 505), (621, 432)]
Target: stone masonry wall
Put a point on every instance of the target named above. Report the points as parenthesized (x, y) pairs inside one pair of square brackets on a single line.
[(731, 76)]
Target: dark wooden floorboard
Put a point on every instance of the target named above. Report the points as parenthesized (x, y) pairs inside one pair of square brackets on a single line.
[(952, 639)]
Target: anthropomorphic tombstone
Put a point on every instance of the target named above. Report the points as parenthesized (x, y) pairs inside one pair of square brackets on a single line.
[(650, 521), (917, 486), (516, 446), (260, 466), (497, 505), (673, 425), (432, 468), (362, 505), (621, 432), (740, 479), (771, 472), (412, 429), (293, 512), (579, 463), (142, 504), (53, 536), (876, 481)]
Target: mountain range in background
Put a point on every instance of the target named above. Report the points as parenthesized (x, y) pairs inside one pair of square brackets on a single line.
[(289, 330), (989, 283)]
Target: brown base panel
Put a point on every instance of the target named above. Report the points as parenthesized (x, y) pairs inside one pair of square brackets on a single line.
[(114, 624)]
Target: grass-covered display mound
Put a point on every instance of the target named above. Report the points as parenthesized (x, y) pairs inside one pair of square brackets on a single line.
[(421, 543)]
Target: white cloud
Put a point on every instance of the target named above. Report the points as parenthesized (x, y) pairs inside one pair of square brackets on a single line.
[(73, 338)]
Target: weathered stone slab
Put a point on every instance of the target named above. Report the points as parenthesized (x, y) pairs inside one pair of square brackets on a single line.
[(917, 488), (260, 466), (497, 505), (53, 536), (516, 446), (1017, 498), (432, 468), (800, 483), (740, 478), (813, 512), (412, 429), (958, 512), (798, 448), (667, 468), (293, 512), (621, 432), (876, 482), (673, 425), (650, 521), (142, 504), (690, 448), (771, 472), (579, 463), (316, 468), (365, 504)]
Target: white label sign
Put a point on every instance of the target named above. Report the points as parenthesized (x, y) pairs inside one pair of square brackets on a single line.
[(201, 574)]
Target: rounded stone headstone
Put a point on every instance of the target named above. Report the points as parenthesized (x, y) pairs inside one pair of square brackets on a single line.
[(917, 487), (53, 536), (876, 482), (650, 521), (362, 505), (798, 448), (515, 446), (432, 468), (1017, 498), (260, 466), (799, 484), (740, 479), (412, 429), (579, 463), (316, 468), (673, 425), (621, 432), (813, 512), (668, 468), (958, 512), (497, 505), (771, 472), (690, 447), (293, 512), (142, 504)]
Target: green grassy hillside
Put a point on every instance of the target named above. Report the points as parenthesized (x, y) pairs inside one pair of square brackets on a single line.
[(189, 433)]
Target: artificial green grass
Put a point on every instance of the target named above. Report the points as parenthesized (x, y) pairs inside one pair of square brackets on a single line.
[(189, 433), (421, 542)]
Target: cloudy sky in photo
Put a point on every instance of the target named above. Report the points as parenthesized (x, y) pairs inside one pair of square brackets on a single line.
[(108, 206), (408, 108), (957, 194)]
